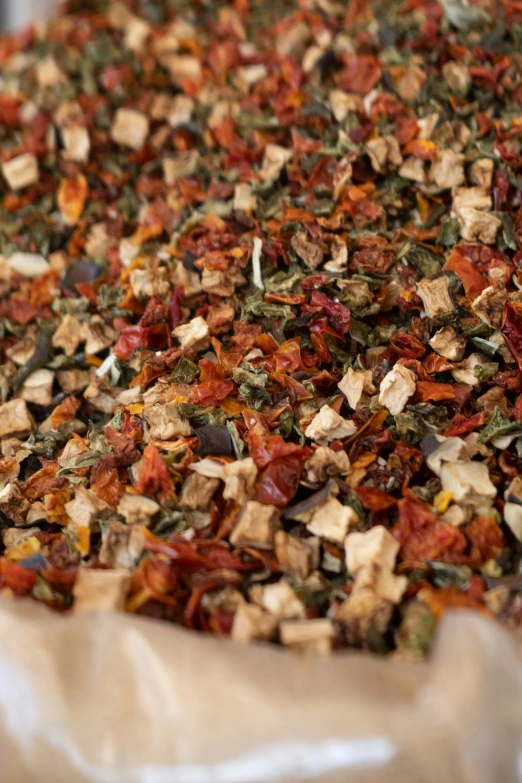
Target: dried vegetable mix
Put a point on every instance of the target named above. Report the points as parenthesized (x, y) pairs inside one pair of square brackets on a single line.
[(261, 316)]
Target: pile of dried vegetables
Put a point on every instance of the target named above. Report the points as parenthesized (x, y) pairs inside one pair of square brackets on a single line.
[(261, 315)]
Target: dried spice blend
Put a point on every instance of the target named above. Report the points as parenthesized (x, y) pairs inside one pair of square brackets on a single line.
[(261, 316)]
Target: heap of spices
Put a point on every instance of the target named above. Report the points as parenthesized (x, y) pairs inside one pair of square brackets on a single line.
[(261, 316)]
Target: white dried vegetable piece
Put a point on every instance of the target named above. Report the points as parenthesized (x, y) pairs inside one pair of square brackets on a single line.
[(376, 546), (281, 601), (22, 171), (435, 297), (256, 526), (29, 264), (244, 200), (343, 102), (481, 172), (328, 425), (38, 387), (448, 450), (256, 263), (165, 421), (325, 462), (195, 334), (293, 554), (396, 389), (197, 492), (354, 383), (15, 419), (447, 171), (466, 480), (456, 75), (86, 509), (314, 636), (98, 589), (98, 335), (137, 509), (384, 153), (274, 160), (449, 344), (122, 545), (240, 478), (69, 335), (330, 520), (478, 226), (130, 128), (252, 622), (13, 504), (413, 168), (489, 306)]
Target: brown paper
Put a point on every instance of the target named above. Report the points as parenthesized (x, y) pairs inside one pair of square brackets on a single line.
[(114, 697)]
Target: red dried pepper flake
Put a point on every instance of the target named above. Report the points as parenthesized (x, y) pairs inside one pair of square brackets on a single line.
[(245, 336), (359, 74), (419, 148), (434, 392), (339, 314), (373, 259), (288, 355), (421, 536), (435, 363), (210, 371), (407, 129), (408, 346), (286, 298), (106, 484), (509, 380), (312, 282), (210, 393), (512, 330), (265, 448), (472, 280), (374, 499), (154, 477), (130, 339), (10, 111), (66, 411), (20, 580), (486, 537), (229, 361), (278, 482), (461, 425), (154, 313), (43, 481), (296, 391)]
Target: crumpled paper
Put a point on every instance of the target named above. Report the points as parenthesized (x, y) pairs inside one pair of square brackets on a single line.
[(118, 698)]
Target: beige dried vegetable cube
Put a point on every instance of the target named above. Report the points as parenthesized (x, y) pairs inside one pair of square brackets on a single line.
[(100, 589), (396, 389), (22, 171), (77, 144), (86, 509), (308, 636), (38, 387), (328, 425), (256, 526), (13, 504), (122, 545), (15, 419), (294, 555), (137, 509), (69, 335), (195, 334), (240, 478), (165, 421), (330, 520), (436, 297), (376, 546), (448, 343), (252, 622), (130, 128), (275, 159), (197, 492)]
